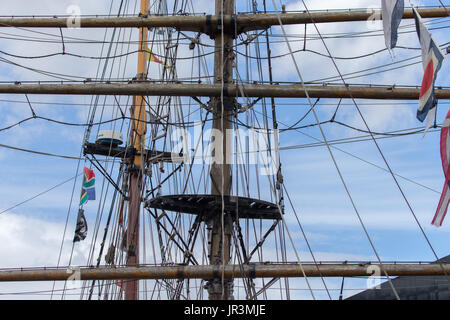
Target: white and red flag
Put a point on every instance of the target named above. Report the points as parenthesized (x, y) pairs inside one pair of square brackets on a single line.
[(445, 156), (432, 58)]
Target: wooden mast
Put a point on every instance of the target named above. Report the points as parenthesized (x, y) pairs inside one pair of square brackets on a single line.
[(220, 226), (139, 129), (221, 178)]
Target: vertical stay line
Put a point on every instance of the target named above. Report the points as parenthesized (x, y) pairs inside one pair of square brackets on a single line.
[(273, 190)]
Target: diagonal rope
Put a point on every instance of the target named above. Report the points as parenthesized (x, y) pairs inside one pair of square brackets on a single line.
[(379, 149), (331, 152), (39, 194)]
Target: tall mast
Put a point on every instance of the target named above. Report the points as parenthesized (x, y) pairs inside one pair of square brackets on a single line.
[(220, 226), (135, 169), (223, 27)]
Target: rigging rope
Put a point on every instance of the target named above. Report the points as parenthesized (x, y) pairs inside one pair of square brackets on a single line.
[(329, 149)]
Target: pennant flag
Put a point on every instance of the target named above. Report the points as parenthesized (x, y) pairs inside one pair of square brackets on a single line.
[(88, 187), (153, 58), (392, 13), (445, 156), (432, 58), (81, 229)]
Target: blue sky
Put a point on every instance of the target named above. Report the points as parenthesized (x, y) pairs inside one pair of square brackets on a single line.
[(30, 235)]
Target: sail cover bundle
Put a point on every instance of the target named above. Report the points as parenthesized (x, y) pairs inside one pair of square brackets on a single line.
[(432, 58), (445, 156), (392, 13), (88, 186)]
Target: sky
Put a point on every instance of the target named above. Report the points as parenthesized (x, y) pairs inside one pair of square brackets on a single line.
[(31, 233)]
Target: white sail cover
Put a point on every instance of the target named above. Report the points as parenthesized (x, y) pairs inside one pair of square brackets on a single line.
[(392, 13)]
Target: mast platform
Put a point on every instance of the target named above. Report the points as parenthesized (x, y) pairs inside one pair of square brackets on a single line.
[(210, 205), (129, 152)]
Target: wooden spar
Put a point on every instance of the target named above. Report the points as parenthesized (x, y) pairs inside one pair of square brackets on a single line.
[(137, 136), (232, 90), (198, 23), (229, 271), (220, 226)]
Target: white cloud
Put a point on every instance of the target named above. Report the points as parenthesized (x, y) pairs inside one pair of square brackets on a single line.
[(20, 236)]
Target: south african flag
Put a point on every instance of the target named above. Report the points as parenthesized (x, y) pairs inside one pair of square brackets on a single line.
[(88, 187)]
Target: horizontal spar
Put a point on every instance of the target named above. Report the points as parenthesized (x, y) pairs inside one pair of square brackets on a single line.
[(229, 271), (330, 16), (205, 22), (211, 90)]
